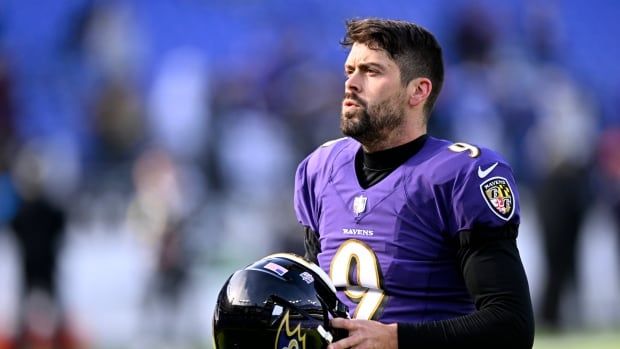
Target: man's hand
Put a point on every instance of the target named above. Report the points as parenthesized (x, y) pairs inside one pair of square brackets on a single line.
[(366, 334)]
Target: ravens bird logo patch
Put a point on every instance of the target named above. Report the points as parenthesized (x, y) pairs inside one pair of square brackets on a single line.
[(498, 195)]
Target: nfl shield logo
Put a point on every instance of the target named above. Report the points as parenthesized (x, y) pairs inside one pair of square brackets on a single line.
[(359, 204)]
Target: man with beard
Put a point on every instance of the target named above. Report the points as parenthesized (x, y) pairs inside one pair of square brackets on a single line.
[(417, 233)]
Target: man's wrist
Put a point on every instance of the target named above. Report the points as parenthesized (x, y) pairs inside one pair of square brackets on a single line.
[(394, 334)]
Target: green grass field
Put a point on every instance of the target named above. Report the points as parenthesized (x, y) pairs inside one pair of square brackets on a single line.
[(585, 340)]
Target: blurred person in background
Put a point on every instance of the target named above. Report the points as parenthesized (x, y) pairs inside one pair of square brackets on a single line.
[(39, 227), (608, 160), (7, 141), (447, 271), (516, 97), (489, 96), (8, 194), (562, 148), (469, 96), (157, 213)]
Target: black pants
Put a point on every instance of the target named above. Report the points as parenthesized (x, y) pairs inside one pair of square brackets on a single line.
[(563, 198)]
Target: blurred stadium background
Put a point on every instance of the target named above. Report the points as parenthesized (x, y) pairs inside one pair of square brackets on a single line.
[(158, 142)]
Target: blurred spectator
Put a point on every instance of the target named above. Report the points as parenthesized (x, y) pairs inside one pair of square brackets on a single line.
[(112, 42), (118, 123), (7, 107), (8, 196), (302, 92), (7, 140), (470, 106), (508, 93), (562, 148), (39, 228), (255, 153), (179, 104), (556, 153), (164, 199), (609, 167)]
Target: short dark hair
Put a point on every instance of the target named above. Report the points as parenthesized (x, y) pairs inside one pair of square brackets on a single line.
[(414, 49)]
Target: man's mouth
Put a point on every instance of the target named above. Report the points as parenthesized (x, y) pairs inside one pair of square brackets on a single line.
[(351, 100), (350, 103)]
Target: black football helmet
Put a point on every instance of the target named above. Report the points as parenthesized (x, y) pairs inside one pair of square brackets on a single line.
[(280, 301)]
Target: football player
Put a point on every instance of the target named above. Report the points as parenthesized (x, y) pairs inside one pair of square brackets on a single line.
[(418, 234)]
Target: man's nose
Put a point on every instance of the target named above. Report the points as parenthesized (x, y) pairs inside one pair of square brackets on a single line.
[(352, 84)]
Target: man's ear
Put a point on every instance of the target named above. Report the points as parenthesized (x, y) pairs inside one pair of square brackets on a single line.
[(418, 90)]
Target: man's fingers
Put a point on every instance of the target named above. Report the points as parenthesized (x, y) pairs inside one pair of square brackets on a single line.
[(343, 323), (344, 343)]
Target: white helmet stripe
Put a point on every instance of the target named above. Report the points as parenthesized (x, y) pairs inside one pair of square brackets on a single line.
[(315, 268)]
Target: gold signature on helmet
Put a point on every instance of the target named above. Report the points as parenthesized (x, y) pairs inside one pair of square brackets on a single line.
[(289, 339)]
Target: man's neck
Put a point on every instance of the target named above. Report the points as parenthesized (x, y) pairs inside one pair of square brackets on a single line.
[(393, 140)]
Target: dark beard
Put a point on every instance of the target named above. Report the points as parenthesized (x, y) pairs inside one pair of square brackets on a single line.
[(370, 125)]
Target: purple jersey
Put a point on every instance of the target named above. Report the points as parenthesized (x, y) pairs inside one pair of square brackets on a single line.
[(391, 249)]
